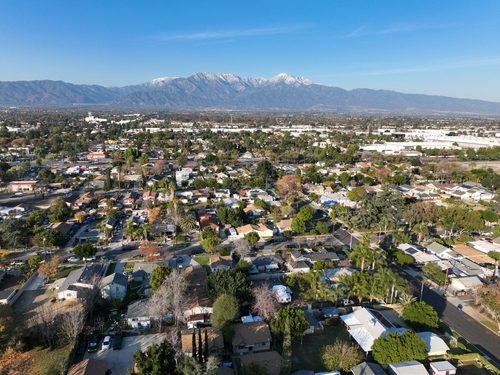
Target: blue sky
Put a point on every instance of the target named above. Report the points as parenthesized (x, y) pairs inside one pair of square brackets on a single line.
[(448, 47)]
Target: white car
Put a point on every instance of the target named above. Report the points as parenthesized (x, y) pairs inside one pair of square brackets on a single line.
[(73, 259), (106, 343)]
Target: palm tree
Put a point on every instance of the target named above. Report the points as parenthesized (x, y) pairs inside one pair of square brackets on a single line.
[(376, 258), (360, 254), (421, 230), (146, 230), (187, 223), (495, 255), (407, 299)]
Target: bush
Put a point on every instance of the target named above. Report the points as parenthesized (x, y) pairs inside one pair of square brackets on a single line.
[(396, 348), (420, 316)]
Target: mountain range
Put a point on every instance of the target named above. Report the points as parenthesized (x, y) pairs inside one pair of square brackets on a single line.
[(211, 91)]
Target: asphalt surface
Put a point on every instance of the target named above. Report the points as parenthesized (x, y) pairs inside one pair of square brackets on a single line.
[(487, 342)]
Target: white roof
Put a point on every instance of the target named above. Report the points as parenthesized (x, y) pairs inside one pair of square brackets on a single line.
[(364, 327), (435, 345), (442, 366), (408, 368), (484, 246), (467, 282)]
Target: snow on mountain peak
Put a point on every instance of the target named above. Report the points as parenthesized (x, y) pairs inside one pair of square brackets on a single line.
[(290, 80), (160, 81)]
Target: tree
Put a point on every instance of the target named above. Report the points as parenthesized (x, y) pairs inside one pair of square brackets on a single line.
[(59, 211), (357, 194), (34, 261), (85, 250), (48, 237), (265, 304), (396, 348), (225, 309), (157, 359), (403, 259), (229, 282), (298, 225), (72, 322), (421, 230), (294, 317), (158, 276), (434, 272), (49, 268), (360, 254), (289, 186), (187, 223), (170, 298), (149, 250), (420, 316), (252, 239), (321, 227), (209, 239), (341, 356)]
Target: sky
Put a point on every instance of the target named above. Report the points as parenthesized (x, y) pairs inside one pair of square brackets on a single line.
[(445, 47)]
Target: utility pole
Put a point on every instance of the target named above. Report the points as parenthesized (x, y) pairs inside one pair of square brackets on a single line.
[(422, 290)]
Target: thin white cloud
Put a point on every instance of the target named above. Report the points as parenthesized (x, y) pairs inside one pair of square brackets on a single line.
[(226, 34), (364, 30), (429, 68)]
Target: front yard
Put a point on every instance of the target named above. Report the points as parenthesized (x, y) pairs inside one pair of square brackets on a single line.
[(307, 355)]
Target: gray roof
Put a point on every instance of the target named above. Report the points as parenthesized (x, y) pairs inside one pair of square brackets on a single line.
[(437, 248), (367, 368), (81, 275), (115, 278), (138, 309), (147, 267)]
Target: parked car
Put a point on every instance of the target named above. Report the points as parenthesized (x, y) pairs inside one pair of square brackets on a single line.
[(90, 259), (117, 342), (347, 302), (106, 343), (93, 345), (73, 259)]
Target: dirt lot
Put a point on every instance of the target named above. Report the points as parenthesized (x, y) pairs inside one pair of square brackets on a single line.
[(121, 361)]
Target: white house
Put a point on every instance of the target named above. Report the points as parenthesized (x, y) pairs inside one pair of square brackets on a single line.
[(79, 282), (363, 327), (407, 368)]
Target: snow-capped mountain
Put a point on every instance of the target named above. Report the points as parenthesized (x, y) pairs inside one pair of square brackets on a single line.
[(201, 91)]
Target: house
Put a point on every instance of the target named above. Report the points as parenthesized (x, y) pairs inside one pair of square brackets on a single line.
[(485, 246), (314, 325), (442, 368), (334, 275), (149, 196), (197, 299), (465, 284), (434, 344), (407, 368), (64, 228), (282, 293), (79, 282), (265, 263), (96, 155), (271, 361), (89, 366), (142, 271), (284, 225), (251, 337), (114, 286), (138, 315), (298, 266), (21, 186), (442, 252), (345, 239), (220, 263), (363, 327), (367, 368), (261, 229), (418, 255), (214, 336), (472, 254)]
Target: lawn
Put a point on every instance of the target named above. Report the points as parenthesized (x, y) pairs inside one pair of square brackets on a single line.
[(51, 362), (64, 272), (201, 259), (307, 355)]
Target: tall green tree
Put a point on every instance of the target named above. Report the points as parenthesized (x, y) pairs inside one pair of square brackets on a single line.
[(420, 316), (396, 348), (157, 359), (294, 318)]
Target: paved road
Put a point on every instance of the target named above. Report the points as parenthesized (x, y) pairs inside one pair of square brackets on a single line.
[(486, 341)]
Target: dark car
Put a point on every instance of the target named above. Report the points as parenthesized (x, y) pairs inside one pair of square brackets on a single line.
[(93, 345), (116, 342)]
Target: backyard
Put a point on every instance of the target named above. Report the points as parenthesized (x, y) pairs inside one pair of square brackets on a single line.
[(307, 355)]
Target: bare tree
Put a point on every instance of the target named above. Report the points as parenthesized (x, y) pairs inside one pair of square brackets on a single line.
[(90, 296), (73, 322), (44, 322), (265, 304)]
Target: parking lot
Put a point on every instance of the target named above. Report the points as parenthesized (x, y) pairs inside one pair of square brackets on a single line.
[(120, 362)]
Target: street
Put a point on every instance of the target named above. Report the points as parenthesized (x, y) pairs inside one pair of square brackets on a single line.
[(478, 335)]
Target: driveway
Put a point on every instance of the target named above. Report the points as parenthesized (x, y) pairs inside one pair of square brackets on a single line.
[(120, 362)]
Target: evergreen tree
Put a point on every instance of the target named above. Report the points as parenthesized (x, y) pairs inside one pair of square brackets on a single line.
[(206, 345), (200, 347), (194, 344)]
